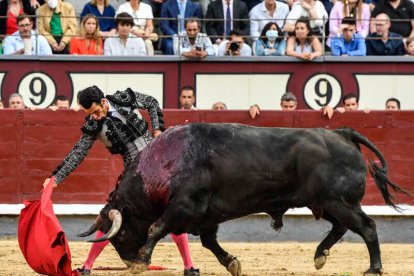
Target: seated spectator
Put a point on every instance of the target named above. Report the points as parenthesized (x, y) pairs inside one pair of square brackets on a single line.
[(144, 26), (192, 43), (187, 98), (235, 46), (271, 42), (349, 43), (26, 40), (219, 106), (288, 101), (303, 44), (383, 42), (90, 41), (57, 22), (124, 43), (356, 9), (226, 15), (312, 9), (61, 102), (16, 101), (1, 104), (392, 104), (174, 9), (9, 11), (409, 47), (401, 12), (265, 12), (105, 13)]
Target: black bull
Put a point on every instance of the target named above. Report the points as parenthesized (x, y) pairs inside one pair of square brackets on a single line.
[(194, 177)]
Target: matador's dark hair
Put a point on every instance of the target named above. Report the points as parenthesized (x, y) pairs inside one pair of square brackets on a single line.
[(90, 95)]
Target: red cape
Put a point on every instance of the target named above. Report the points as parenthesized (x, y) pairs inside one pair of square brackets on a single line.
[(41, 238)]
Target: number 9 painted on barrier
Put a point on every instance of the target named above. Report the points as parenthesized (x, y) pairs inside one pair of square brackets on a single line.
[(38, 90), (320, 90)]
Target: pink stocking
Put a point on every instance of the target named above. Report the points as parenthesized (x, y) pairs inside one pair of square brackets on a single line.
[(96, 249), (182, 244)]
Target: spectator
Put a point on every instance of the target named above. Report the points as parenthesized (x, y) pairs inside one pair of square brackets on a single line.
[(1, 104), (251, 3), (192, 43), (57, 22), (265, 12), (9, 11), (383, 42), (401, 12), (187, 98), (271, 41), (312, 9), (409, 46), (219, 106), (350, 102), (105, 13), (144, 26), (288, 101), (235, 46), (356, 9), (392, 104), (124, 43), (61, 102), (226, 15), (90, 41), (156, 6), (174, 9), (303, 44), (26, 40), (16, 101), (349, 43)]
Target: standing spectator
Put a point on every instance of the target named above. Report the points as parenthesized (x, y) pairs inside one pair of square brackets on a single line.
[(181, 9), (219, 106), (187, 98), (105, 13), (288, 101), (350, 102), (401, 13), (124, 43), (16, 101), (192, 43), (235, 46), (312, 9), (265, 12), (303, 44), (57, 22), (9, 11), (349, 8), (224, 16), (271, 41), (144, 26), (383, 42), (25, 40), (392, 104), (349, 43), (409, 46), (90, 41), (61, 102)]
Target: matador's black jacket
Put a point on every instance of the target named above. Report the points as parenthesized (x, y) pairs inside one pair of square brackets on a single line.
[(123, 131)]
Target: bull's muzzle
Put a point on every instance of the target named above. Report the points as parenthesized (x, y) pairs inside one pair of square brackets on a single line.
[(116, 217)]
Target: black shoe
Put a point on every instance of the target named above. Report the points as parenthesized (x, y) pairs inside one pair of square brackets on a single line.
[(83, 271), (192, 272)]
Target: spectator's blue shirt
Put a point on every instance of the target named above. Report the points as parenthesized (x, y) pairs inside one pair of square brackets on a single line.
[(393, 47), (106, 19), (355, 47), (263, 48)]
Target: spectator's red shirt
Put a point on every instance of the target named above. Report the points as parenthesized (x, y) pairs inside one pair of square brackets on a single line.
[(11, 22)]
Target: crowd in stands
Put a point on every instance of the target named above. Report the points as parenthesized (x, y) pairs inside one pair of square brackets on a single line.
[(196, 29)]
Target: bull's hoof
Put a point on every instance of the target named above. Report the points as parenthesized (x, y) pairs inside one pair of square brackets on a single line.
[(137, 268), (321, 260), (373, 272), (234, 267)]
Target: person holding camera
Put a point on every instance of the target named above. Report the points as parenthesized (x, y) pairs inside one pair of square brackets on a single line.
[(234, 46), (191, 43)]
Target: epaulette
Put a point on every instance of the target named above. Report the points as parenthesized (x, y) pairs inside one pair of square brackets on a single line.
[(91, 126), (123, 98)]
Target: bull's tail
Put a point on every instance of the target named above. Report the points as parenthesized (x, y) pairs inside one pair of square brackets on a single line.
[(380, 174)]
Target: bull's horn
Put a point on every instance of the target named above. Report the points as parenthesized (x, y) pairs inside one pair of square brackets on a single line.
[(116, 217), (95, 227)]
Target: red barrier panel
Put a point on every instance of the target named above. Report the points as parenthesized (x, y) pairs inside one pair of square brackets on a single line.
[(33, 143)]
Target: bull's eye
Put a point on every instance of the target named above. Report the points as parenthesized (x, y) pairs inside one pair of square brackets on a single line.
[(121, 236)]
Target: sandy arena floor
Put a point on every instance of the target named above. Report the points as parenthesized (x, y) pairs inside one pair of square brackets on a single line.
[(285, 258)]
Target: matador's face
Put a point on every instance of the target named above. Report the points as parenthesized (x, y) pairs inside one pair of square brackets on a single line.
[(97, 111)]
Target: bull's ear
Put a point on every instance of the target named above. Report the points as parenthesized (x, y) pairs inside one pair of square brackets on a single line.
[(126, 213)]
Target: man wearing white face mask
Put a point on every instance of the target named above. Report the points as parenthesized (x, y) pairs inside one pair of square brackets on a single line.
[(271, 42), (57, 22)]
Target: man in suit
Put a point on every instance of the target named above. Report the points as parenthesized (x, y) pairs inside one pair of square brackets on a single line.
[(229, 11), (174, 9)]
